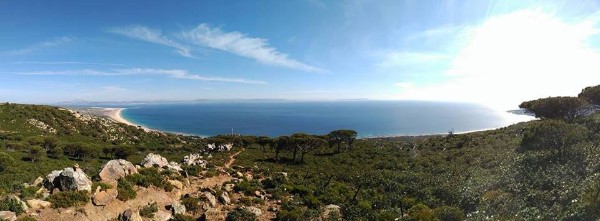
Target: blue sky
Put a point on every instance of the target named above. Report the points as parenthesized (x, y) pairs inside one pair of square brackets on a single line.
[(492, 52)]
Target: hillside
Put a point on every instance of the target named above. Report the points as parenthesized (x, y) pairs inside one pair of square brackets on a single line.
[(539, 170)]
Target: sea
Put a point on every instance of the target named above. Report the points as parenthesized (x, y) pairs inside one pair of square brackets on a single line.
[(276, 118)]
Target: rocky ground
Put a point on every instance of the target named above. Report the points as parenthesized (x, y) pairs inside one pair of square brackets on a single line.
[(105, 205)]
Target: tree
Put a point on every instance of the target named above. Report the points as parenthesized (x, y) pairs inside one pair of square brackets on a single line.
[(35, 153), (264, 142), (591, 95), (555, 107), (49, 143), (124, 152), (305, 143), (6, 161), (281, 144), (337, 137), (553, 135)]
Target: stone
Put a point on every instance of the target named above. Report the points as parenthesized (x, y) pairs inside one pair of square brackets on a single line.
[(152, 160), (37, 182), (38, 204), (130, 215), (258, 193), (195, 160), (103, 198), (239, 174), (8, 215), (176, 183), (177, 208), (174, 166), (330, 209), (229, 187), (70, 178), (254, 210), (212, 200), (224, 198), (113, 170), (23, 204), (162, 215)]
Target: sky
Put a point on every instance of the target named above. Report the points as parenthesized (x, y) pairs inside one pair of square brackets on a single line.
[(495, 52)]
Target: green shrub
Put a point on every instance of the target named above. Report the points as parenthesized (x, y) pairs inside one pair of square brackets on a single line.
[(449, 213), (67, 199), (149, 210), (29, 192), (125, 190), (247, 187), (211, 172), (180, 217), (6, 161), (240, 214), (8, 204), (420, 212), (192, 204), (103, 186), (151, 177), (26, 218)]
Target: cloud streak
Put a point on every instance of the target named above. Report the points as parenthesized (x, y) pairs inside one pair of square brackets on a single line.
[(67, 62), (240, 44), (173, 73), (51, 43), (153, 36)]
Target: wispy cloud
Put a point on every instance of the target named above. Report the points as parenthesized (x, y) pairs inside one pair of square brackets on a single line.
[(398, 59), (174, 73), (66, 62), (240, 44), (153, 36), (54, 42)]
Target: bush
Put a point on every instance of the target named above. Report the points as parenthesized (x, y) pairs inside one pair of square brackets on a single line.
[(125, 190), (149, 177), (555, 107), (449, 213), (103, 186), (240, 214), (180, 217), (553, 135), (29, 192), (247, 187), (69, 198), (8, 204), (192, 204), (420, 212), (6, 161), (591, 94), (149, 210), (26, 218)]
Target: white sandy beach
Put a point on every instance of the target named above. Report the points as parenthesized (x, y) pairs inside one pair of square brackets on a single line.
[(116, 115)]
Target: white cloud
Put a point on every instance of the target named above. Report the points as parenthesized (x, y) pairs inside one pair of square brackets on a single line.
[(519, 56), (54, 42), (174, 73), (66, 62), (152, 36), (239, 44), (396, 59)]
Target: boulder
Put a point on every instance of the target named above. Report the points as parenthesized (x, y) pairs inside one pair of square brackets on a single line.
[(330, 209), (162, 215), (174, 166), (176, 183), (229, 187), (103, 198), (18, 200), (8, 215), (37, 182), (224, 198), (38, 204), (212, 200), (70, 178), (239, 175), (152, 160), (116, 169), (130, 215), (254, 210), (177, 208), (195, 160)]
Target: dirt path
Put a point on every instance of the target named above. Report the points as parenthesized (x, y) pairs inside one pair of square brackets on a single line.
[(144, 197)]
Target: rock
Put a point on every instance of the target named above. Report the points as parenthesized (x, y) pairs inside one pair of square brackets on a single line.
[(116, 169), (130, 215), (37, 182), (70, 178), (38, 204), (258, 194), (224, 198), (195, 160), (103, 198), (220, 148), (174, 166), (152, 160), (177, 208), (176, 183), (162, 215), (23, 204), (229, 187), (8, 215), (330, 209), (212, 200), (254, 210), (239, 174)]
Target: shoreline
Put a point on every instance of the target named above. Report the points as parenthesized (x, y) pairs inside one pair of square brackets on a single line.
[(116, 114)]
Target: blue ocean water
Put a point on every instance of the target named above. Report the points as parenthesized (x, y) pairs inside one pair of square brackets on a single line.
[(369, 118)]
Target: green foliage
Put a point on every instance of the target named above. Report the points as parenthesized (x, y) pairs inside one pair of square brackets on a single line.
[(26, 218), (247, 187), (67, 199), (240, 214), (591, 94), (6, 161), (192, 204), (338, 137), (555, 107), (553, 135), (421, 212), (125, 190), (124, 151), (181, 217), (11, 204), (449, 213), (81, 151), (149, 177), (103, 186), (149, 210), (35, 153), (29, 192)]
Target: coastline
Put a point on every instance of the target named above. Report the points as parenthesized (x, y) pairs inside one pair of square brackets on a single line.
[(116, 114)]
